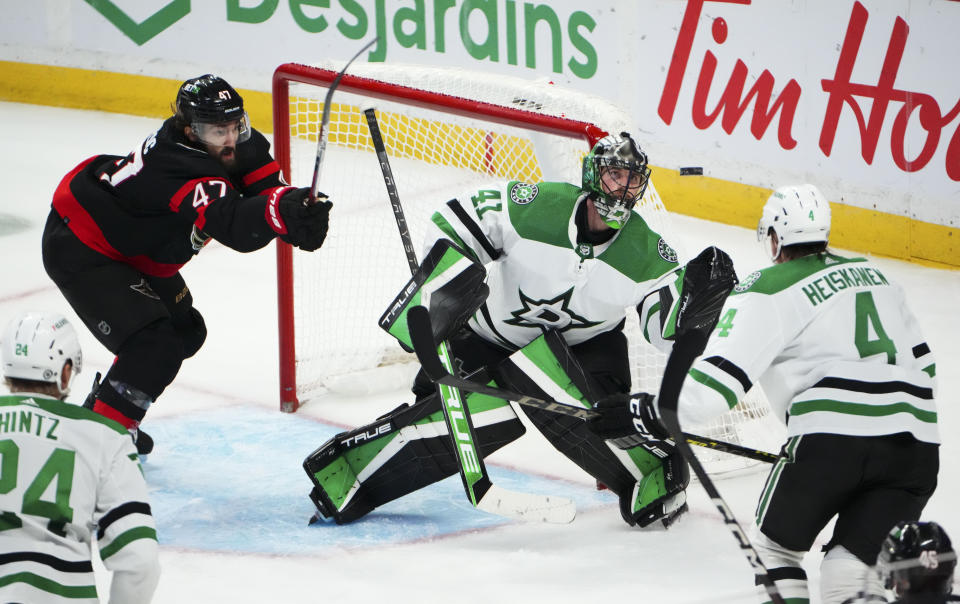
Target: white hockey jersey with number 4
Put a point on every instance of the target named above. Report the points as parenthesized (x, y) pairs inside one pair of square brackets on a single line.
[(833, 344), (541, 277), (66, 473)]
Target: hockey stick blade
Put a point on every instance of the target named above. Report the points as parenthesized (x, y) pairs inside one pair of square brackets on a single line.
[(528, 507), (421, 335)]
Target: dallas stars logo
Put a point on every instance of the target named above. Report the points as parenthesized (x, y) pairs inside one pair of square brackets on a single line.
[(553, 313), (746, 283)]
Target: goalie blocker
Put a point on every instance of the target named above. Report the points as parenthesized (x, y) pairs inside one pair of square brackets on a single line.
[(408, 448)]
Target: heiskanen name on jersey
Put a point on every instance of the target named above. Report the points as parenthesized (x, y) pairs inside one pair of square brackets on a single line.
[(839, 369)]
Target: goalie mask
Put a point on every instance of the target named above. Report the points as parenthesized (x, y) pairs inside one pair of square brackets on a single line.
[(917, 558), (615, 173), (797, 214), (213, 110), (37, 345)]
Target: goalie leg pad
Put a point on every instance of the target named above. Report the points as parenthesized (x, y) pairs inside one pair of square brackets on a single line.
[(547, 368), (405, 450), (649, 482)]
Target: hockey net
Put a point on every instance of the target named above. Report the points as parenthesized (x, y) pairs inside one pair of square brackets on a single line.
[(442, 142)]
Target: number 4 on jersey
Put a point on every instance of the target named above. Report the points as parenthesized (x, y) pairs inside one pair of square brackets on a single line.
[(867, 322), (725, 324)]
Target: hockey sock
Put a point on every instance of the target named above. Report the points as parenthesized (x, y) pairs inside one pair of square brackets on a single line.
[(783, 567), (122, 403), (844, 576)]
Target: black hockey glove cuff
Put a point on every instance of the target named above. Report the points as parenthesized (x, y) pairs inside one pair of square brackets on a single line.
[(628, 420), (296, 220)]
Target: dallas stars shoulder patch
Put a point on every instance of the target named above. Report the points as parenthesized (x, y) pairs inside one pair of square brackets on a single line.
[(747, 282), (522, 193), (666, 252)]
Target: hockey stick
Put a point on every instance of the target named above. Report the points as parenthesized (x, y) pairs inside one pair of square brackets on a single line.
[(325, 121), (421, 335), (481, 492), (710, 281)]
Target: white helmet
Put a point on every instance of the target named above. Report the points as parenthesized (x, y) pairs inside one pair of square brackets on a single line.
[(36, 345), (797, 214)]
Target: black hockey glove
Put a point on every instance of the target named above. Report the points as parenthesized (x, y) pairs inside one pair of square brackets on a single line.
[(296, 220), (628, 420), (707, 281)]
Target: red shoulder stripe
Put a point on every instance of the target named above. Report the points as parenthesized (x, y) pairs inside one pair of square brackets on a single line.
[(89, 233), (78, 220), (260, 173)]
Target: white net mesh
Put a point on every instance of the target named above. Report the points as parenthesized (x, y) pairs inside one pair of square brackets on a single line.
[(341, 290)]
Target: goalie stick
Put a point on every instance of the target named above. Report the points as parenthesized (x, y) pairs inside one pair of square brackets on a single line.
[(325, 121), (482, 493), (707, 281), (421, 335)]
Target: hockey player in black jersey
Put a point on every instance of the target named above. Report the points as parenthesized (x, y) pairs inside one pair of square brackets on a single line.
[(916, 565), (917, 562), (121, 227)]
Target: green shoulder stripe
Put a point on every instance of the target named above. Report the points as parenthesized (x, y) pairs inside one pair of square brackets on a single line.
[(639, 252), (67, 410), (776, 278), (542, 211)]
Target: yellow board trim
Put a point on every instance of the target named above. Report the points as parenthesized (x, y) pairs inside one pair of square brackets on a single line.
[(704, 197), (108, 91), (852, 228)]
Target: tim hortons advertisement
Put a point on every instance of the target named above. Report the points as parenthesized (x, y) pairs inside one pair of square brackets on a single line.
[(859, 95)]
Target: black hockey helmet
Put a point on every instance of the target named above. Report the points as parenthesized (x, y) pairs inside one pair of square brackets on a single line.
[(209, 99), (918, 558), (616, 152)]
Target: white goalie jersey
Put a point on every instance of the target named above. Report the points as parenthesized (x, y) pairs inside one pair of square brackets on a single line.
[(541, 277), (67, 474), (833, 344)]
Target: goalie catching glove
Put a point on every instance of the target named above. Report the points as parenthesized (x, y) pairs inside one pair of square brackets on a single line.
[(629, 420), (296, 220), (707, 281)]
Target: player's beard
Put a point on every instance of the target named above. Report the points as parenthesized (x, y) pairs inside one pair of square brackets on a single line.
[(228, 158)]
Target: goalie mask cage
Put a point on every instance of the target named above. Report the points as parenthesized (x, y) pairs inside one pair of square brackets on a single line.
[(443, 142)]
